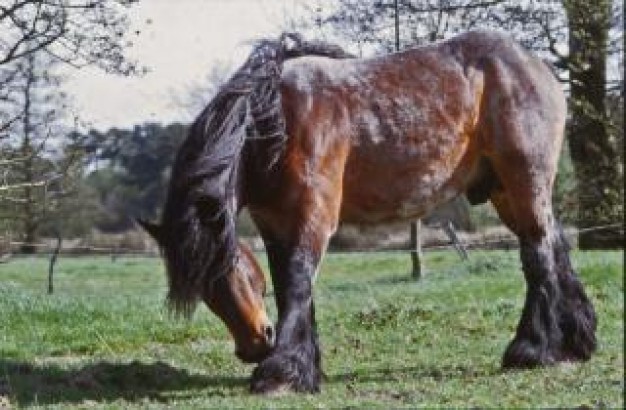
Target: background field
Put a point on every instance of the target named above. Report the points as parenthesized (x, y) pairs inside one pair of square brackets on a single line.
[(105, 340)]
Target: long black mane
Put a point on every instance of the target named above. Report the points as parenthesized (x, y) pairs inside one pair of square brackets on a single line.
[(198, 228)]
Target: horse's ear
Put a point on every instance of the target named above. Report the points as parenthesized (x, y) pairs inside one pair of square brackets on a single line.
[(153, 229)]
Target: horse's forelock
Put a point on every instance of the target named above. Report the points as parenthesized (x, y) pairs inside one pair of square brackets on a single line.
[(198, 225)]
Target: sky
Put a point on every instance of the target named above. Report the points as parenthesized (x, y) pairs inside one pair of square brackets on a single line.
[(179, 42)]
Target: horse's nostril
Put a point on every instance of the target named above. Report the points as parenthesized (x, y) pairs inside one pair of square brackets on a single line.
[(269, 334)]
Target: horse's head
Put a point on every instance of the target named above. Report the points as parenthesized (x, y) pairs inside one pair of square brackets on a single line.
[(197, 236), (236, 298)]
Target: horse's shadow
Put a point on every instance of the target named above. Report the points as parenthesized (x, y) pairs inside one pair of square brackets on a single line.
[(26, 384)]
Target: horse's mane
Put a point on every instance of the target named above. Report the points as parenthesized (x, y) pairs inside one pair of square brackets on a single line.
[(199, 240)]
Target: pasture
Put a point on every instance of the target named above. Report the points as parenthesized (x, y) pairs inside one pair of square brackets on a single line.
[(105, 340)]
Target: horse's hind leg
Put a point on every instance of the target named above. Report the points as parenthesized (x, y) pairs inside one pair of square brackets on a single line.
[(523, 123), (558, 321)]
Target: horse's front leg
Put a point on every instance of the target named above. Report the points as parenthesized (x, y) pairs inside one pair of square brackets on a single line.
[(294, 363)]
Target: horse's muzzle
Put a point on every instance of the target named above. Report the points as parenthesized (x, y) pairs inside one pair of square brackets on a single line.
[(259, 349)]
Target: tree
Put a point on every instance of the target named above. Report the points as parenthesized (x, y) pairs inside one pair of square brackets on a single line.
[(77, 32), (34, 167), (131, 170), (592, 132), (371, 25), (35, 36)]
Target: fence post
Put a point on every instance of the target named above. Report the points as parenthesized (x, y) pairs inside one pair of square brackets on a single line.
[(416, 249), (53, 260)]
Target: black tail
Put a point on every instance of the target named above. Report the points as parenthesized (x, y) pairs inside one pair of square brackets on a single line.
[(198, 230)]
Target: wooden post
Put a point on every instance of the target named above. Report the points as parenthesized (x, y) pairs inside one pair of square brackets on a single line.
[(114, 252), (416, 242), (416, 249), (53, 260)]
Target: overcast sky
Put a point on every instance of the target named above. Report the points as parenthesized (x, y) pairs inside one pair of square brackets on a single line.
[(179, 41)]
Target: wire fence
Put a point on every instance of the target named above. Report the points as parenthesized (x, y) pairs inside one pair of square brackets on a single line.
[(507, 242), (498, 242)]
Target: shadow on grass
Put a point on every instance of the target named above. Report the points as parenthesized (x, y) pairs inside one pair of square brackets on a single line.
[(382, 375), (26, 384)]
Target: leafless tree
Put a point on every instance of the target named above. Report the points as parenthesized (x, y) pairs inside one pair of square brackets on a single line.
[(35, 169), (35, 36), (77, 32)]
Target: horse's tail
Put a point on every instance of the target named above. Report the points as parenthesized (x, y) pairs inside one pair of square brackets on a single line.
[(201, 205)]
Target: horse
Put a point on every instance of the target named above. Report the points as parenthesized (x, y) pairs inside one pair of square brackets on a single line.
[(305, 135)]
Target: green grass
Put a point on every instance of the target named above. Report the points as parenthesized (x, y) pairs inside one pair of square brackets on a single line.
[(105, 340)]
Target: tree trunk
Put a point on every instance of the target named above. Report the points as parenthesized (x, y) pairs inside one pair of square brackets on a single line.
[(593, 150), (29, 224)]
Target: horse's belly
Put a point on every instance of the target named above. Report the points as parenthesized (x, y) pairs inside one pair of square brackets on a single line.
[(412, 149), (385, 182)]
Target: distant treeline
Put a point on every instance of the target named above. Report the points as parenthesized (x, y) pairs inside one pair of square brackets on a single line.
[(126, 172)]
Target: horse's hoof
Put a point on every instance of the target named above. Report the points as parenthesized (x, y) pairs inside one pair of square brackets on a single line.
[(522, 354), (282, 373), (270, 388)]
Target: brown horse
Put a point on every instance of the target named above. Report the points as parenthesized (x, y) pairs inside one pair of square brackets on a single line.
[(305, 136)]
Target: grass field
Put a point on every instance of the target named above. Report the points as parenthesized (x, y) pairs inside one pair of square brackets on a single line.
[(105, 340)]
